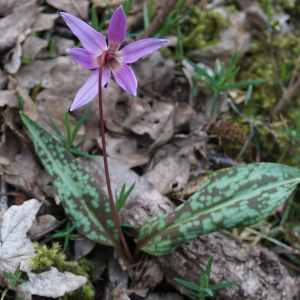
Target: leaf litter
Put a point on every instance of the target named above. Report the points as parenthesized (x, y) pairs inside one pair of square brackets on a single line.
[(157, 139), (16, 248)]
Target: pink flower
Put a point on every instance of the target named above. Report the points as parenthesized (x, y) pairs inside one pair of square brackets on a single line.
[(94, 45)]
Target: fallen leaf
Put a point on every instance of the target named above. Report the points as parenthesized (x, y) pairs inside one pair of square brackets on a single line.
[(169, 173), (13, 65), (61, 44), (68, 6), (119, 293), (125, 150), (6, 6), (43, 225), (158, 123), (137, 109), (83, 247), (18, 21), (157, 70), (32, 46), (8, 98), (44, 22), (16, 248), (18, 166), (184, 113), (119, 174)]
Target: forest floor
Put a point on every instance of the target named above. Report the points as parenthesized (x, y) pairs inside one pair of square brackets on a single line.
[(168, 139)]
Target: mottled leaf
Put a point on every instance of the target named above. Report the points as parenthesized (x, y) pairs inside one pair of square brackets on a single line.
[(85, 203), (232, 197)]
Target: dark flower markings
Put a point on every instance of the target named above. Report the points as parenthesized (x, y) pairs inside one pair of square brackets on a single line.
[(229, 198), (84, 202)]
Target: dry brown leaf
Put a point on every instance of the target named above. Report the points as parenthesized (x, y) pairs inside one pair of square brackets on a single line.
[(18, 21), (184, 113), (168, 174), (158, 123), (119, 293), (137, 109), (44, 22), (125, 150), (13, 65), (113, 116), (32, 46), (147, 274), (8, 98), (83, 246), (42, 225), (157, 70), (6, 6), (118, 176), (18, 166), (62, 78), (116, 274), (80, 9), (61, 44), (16, 248)]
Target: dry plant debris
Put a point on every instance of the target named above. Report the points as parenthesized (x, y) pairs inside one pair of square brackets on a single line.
[(16, 248), (164, 139)]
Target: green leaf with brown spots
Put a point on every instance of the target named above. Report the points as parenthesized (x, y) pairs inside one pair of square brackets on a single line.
[(232, 197), (84, 202)]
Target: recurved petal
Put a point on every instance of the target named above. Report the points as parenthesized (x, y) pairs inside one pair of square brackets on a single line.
[(90, 89), (124, 76), (83, 58), (91, 40), (117, 29), (136, 50)]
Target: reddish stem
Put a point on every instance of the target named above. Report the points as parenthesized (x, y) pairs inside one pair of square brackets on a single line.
[(111, 200)]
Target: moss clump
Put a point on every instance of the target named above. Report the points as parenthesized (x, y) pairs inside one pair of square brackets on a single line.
[(52, 257), (270, 7), (86, 292), (49, 257), (203, 26), (264, 61), (231, 9), (166, 52), (233, 135)]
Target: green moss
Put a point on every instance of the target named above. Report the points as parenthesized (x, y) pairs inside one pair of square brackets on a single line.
[(202, 27), (52, 257), (166, 52), (86, 292), (270, 7), (231, 9), (49, 257), (264, 61)]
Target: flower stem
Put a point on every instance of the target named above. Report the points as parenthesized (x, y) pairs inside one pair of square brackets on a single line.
[(111, 200)]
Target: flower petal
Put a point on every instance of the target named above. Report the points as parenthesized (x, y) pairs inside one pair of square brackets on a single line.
[(117, 29), (91, 40), (136, 50), (90, 89), (83, 58), (124, 76)]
